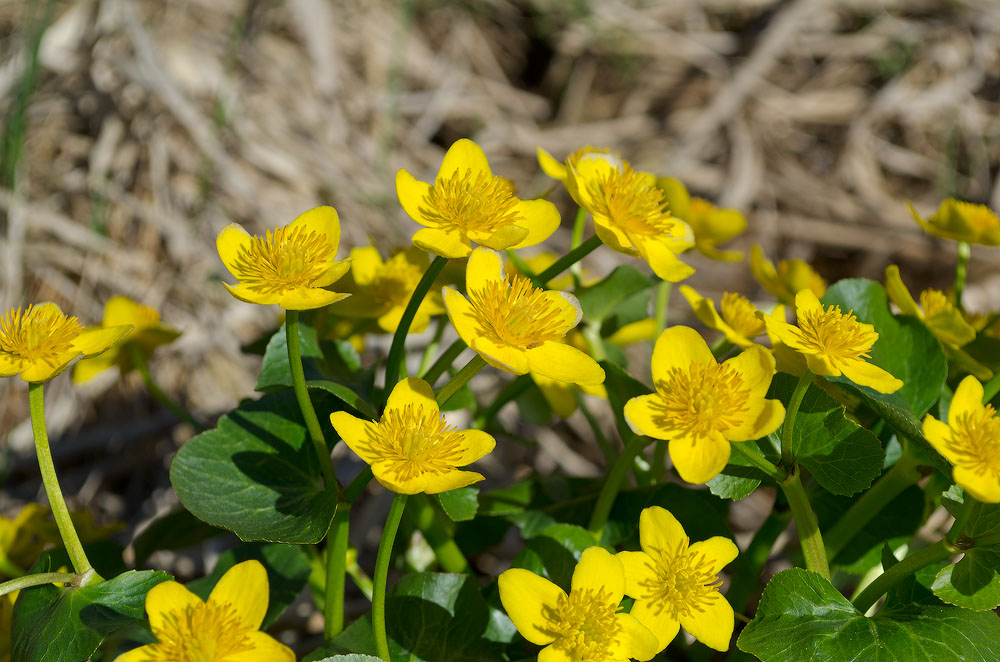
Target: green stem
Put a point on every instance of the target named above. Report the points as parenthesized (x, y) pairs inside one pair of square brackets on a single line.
[(361, 580), (939, 551), (578, 224), (305, 404), (900, 476), (519, 264), (510, 392), (139, 361), (382, 574), (452, 386), (961, 268), (433, 345), (444, 362), (595, 343), (794, 402), (662, 303), (595, 427), (358, 485), (613, 483), (336, 562), (991, 388), (566, 261), (964, 513), (805, 522), (398, 349), (438, 531), (757, 461), (60, 512), (39, 579)]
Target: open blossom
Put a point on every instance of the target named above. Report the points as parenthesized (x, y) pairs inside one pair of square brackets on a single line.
[(970, 440), (584, 625), (412, 449), (736, 318), (701, 405), (711, 225), (936, 310), (289, 266), (560, 169), (676, 583), (467, 203), (962, 221), (787, 278)]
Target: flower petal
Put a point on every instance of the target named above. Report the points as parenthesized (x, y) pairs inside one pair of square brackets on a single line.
[(938, 435), (475, 445), (324, 221), (762, 419), (412, 391), (464, 155), (658, 619), (713, 624), (659, 531), (755, 366), (451, 479), (898, 292), (640, 574), (485, 265), (662, 259), (121, 311), (643, 414), (231, 241), (540, 218), (413, 194), (502, 238), (309, 298), (559, 395), (700, 460), (87, 369), (165, 600), (678, 347), (550, 166), (565, 363), (247, 295), (529, 599), (555, 653), (365, 264), (461, 314), (356, 433), (505, 357), (141, 654), (598, 569), (634, 640), (10, 366), (570, 311), (867, 374), (264, 648), (718, 552), (984, 486), (968, 399), (445, 243), (335, 270), (40, 371), (244, 588), (612, 236), (96, 339)]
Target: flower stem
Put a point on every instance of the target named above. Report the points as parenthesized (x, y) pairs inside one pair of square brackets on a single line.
[(444, 362), (662, 303), (791, 412), (939, 551), (305, 404), (139, 361), (991, 388), (382, 574), (438, 530), (358, 485), (757, 461), (60, 512), (433, 345), (961, 267), (452, 386), (613, 483), (595, 427), (336, 562), (566, 261), (805, 522), (38, 579), (964, 513), (398, 350), (595, 343)]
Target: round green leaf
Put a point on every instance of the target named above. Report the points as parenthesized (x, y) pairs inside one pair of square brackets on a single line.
[(972, 583)]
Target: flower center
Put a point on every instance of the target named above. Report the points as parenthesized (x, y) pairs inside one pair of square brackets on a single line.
[(737, 311), (207, 632), (975, 439), (586, 624), (979, 216), (395, 282), (684, 581), (40, 333), (415, 442), (465, 202), (514, 312), (628, 199), (285, 259), (833, 334), (934, 301), (705, 398)]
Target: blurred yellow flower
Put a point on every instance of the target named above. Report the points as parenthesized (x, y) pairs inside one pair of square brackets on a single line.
[(468, 203), (630, 213), (6, 619), (711, 226), (676, 584), (412, 449), (560, 169), (736, 319), (788, 278), (147, 334), (515, 326), (700, 405), (40, 342), (962, 221), (290, 266), (584, 625), (936, 310), (225, 628), (23, 538), (970, 440)]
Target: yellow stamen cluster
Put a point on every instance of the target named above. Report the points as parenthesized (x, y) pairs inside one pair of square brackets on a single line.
[(684, 582), (514, 312), (706, 398), (836, 335), (395, 282), (979, 216), (935, 301), (585, 623), (738, 312), (201, 633), (975, 441), (415, 442), (286, 258), (469, 202), (40, 333), (632, 202)]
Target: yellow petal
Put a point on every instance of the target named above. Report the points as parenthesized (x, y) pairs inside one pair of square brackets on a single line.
[(718, 552), (559, 395), (539, 217), (644, 329), (640, 574), (413, 195), (309, 298), (658, 619), (247, 295), (413, 391), (121, 311), (141, 654), (678, 347), (721, 225), (40, 371), (529, 599), (244, 588), (644, 414), (598, 569), (713, 624), (461, 314), (564, 363), (766, 274), (356, 433), (938, 435), (231, 241), (821, 364), (807, 301), (445, 243), (505, 357), (464, 155), (755, 366), (868, 374), (968, 399), (550, 166), (634, 640), (264, 648), (762, 419), (365, 264), (87, 369), (898, 293), (501, 238), (677, 197), (475, 445), (9, 366), (451, 479), (613, 237), (663, 260), (704, 309), (984, 486), (570, 312), (659, 531), (168, 600), (484, 266), (324, 221), (96, 339), (335, 270), (555, 653), (700, 460)]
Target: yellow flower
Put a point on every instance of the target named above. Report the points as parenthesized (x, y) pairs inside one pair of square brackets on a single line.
[(676, 584), (290, 266), (225, 628), (630, 213), (147, 334), (23, 538), (788, 278), (833, 343), (711, 226), (583, 625), (962, 221), (701, 405), (468, 203), (936, 310), (412, 449), (514, 326), (560, 170), (41, 342), (382, 289), (737, 317), (970, 441)]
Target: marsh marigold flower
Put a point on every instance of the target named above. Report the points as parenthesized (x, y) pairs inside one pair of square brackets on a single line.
[(833, 343), (630, 213), (970, 440), (936, 310), (962, 221), (224, 628), (467, 203), (560, 169), (40, 342), (701, 405), (147, 334), (736, 318), (786, 279), (711, 226), (676, 584), (515, 326), (584, 625), (412, 449), (289, 266)]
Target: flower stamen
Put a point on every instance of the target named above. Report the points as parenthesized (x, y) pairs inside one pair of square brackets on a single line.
[(415, 442), (584, 623), (467, 202), (738, 312), (286, 258), (514, 312), (40, 333), (704, 399)]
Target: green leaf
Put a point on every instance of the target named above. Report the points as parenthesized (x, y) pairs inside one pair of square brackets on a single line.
[(175, 530), (738, 479), (842, 456), (287, 571), (554, 552), (701, 514), (802, 617), (350, 658), (53, 624), (274, 372), (599, 300), (461, 504), (984, 519), (345, 395), (257, 474), (973, 582)]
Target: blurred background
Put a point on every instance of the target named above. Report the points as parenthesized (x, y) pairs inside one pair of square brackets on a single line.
[(133, 130)]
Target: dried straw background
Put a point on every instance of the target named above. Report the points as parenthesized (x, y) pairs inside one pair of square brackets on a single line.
[(150, 125)]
